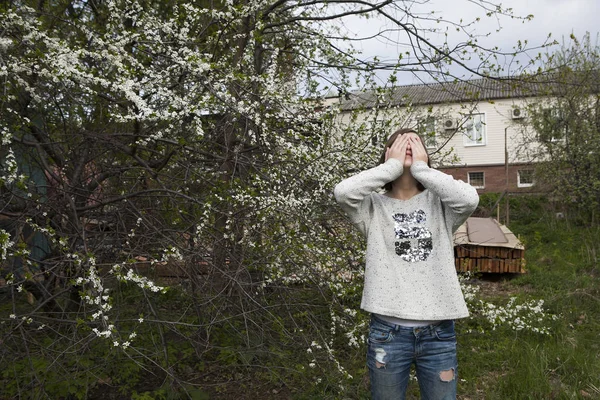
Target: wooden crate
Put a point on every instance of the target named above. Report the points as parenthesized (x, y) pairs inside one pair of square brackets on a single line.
[(489, 259)]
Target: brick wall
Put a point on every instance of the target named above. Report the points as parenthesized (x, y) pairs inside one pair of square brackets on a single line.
[(494, 177)]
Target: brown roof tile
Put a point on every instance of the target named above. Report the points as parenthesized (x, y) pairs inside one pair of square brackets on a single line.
[(446, 92)]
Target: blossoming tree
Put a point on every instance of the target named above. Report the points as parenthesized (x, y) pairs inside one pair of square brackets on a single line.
[(186, 135)]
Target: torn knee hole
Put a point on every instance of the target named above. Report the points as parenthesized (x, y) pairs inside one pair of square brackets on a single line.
[(447, 376), (379, 356)]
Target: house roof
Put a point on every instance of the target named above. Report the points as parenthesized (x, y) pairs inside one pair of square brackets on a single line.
[(450, 92)]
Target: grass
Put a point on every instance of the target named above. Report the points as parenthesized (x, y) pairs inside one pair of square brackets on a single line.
[(562, 270), (272, 362)]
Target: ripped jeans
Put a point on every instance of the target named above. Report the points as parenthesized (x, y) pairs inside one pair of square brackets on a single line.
[(393, 348)]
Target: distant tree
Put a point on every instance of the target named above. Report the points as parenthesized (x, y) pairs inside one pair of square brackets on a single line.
[(564, 138)]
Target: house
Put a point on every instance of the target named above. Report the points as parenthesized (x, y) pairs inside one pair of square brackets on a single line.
[(473, 129)]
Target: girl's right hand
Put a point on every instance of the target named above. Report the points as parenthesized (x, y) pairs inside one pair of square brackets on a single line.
[(398, 149)]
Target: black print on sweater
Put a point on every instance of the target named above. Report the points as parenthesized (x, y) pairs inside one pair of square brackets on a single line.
[(414, 239)]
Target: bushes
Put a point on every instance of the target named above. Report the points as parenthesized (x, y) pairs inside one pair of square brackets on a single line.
[(523, 208), (304, 338)]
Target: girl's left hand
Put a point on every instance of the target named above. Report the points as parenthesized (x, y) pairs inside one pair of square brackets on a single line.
[(418, 150)]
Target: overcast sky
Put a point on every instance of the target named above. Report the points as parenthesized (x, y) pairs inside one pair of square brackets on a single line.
[(558, 17)]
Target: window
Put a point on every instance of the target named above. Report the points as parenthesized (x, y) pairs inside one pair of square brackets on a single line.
[(525, 178), (377, 131), (426, 129), (475, 130), (553, 126), (477, 180)]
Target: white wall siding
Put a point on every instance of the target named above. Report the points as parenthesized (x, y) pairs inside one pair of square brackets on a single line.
[(498, 117)]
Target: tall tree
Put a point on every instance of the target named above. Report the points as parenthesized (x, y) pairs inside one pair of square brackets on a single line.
[(187, 134), (564, 127)]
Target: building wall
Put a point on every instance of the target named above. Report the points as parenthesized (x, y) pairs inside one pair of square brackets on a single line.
[(497, 119), (494, 177), (488, 157), (500, 128)]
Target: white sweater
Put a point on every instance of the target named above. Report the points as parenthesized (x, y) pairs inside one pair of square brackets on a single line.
[(410, 271)]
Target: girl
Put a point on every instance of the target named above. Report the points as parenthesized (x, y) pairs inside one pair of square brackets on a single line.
[(411, 288)]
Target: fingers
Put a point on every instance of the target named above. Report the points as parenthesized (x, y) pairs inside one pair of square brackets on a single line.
[(398, 148), (418, 149), (400, 143)]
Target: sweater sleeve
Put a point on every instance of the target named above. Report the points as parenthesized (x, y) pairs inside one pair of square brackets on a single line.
[(353, 194), (459, 199)]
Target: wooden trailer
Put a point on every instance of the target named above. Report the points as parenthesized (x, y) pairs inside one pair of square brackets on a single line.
[(484, 245)]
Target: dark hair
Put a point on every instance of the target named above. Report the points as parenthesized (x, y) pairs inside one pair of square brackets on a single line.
[(390, 141)]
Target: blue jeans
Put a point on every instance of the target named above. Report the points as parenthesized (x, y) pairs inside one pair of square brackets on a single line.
[(393, 348)]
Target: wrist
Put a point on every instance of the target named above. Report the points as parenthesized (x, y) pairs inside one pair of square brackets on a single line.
[(419, 164)]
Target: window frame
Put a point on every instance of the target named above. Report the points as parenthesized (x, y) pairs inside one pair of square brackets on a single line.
[(373, 126), (424, 132), (467, 142), (482, 179), (559, 125), (525, 185)]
